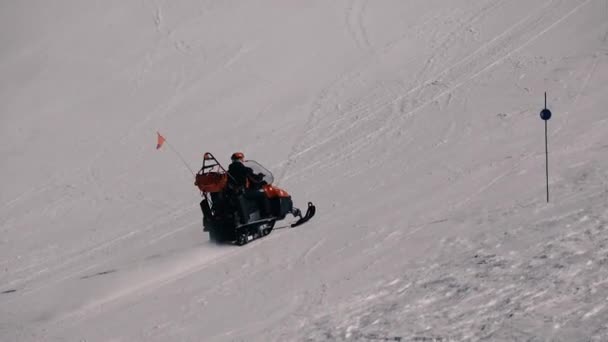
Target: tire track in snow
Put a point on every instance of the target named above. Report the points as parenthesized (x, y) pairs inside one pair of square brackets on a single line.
[(354, 23), (449, 41), (361, 23), (374, 101), (182, 269), (180, 91), (313, 248), (177, 270), (343, 78), (489, 67), (446, 43), (584, 85), (158, 22), (390, 128), (86, 252), (92, 176), (31, 191), (373, 111), (158, 18), (312, 116)]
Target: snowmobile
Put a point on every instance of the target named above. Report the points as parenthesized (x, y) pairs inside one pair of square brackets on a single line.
[(240, 216)]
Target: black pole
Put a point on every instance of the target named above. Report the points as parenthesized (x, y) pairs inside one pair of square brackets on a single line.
[(545, 114), (547, 159), (547, 150)]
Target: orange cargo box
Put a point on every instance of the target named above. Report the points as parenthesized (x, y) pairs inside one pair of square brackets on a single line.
[(211, 182)]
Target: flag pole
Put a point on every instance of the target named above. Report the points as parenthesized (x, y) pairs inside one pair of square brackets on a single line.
[(164, 140)]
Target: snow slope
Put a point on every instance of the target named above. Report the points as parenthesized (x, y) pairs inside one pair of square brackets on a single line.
[(413, 125)]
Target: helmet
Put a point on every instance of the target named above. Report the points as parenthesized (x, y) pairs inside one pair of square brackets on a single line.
[(237, 156)]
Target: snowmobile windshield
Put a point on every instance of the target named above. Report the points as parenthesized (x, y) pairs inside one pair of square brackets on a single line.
[(259, 169)]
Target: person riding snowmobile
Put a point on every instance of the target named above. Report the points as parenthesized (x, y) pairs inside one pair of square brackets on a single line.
[(246, 185), (241, 176)]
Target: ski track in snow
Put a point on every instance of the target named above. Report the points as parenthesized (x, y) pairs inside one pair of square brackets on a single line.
[(373, 111), (148, 285), (389, 129), (592, 69), (355, 10), (73, 258), (375, 104)]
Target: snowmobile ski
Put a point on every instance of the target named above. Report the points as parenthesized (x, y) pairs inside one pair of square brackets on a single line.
[(310, 212)]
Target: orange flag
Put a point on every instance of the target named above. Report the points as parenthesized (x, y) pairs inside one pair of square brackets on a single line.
[(160, 140)]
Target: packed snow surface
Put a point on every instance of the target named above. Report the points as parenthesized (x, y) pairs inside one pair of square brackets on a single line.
[(412, 125)]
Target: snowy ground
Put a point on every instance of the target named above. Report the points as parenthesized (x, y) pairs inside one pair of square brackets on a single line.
[(413, 125)]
